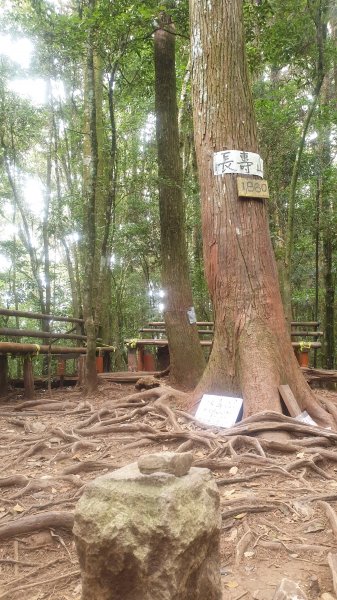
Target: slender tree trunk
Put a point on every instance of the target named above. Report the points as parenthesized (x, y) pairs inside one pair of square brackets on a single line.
[(187, 360), (327, 193), (109, 159), (90, 169), (252, 353), (319, 14)]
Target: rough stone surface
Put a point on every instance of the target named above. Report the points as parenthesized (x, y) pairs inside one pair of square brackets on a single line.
[(176, 463), (327, 596), (149, 537), (289, 590)]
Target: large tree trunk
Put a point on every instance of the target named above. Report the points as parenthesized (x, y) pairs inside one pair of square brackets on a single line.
[(187, 360), (252, 353)]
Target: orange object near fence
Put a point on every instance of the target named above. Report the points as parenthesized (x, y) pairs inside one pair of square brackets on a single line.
[(61, 367), (149, 361), (99, 364)]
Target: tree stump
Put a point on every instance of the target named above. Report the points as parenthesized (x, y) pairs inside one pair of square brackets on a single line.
[(150, 530)]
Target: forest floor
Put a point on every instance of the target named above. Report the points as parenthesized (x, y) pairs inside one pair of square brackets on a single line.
[(277, 504)]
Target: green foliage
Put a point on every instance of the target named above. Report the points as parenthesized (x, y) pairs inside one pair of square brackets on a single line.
[(283, 58)]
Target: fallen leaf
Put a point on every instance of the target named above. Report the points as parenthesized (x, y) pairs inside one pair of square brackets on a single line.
[(232, 584), (18, 508), (240, 516), (233, 470)]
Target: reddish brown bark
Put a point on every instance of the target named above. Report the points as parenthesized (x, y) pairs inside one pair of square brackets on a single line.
[(252, 353), (186, 357)]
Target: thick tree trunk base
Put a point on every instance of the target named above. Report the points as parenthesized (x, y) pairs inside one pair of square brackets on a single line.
[(256, 371)]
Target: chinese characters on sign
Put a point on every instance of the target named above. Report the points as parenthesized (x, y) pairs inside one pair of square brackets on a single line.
[(219, 411), (237, 161)]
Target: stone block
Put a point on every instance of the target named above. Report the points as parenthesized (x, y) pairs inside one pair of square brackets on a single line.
[(149, 536)]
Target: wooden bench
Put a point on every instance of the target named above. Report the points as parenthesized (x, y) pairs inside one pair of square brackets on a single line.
[(28, 351), (136, 348)]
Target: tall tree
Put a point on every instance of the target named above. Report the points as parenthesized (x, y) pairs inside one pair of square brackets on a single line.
[(186, 356), (318, 10), (90, 187), (252, 353)]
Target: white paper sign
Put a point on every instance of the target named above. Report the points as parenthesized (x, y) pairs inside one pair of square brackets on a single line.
[(304, 417), (219, 411), (191, 315), (237, 161)]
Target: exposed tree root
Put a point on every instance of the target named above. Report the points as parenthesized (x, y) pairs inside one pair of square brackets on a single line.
[(49, 482), (63, 520), (248, 508), (156, 417), (242, 545), (332, 517), (332, 562), (13, 480), (293, 547), (88, 466)]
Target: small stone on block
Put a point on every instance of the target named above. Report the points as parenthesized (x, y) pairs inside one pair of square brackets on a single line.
[(175, 463)]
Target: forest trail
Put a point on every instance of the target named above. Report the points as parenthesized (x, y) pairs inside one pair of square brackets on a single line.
[(277, 499)]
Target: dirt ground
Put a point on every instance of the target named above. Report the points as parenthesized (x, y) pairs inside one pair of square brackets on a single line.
[(277, 503)]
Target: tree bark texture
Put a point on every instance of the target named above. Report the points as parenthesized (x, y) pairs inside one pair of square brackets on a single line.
[(327, 225), (28, 378), (252, 353), (90, 173), (187, 359)]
